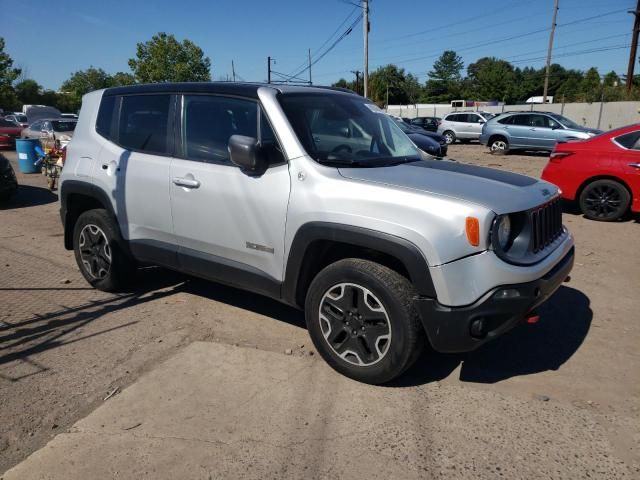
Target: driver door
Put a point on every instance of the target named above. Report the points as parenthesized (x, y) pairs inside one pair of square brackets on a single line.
[(230, 226)]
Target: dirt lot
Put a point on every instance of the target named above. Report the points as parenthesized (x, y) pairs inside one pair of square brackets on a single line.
[(64, 346)]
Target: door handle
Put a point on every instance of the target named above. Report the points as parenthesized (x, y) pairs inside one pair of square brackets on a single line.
[(186, 182), (634, 165)]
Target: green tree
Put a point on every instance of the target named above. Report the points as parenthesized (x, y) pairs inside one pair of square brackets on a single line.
[(85, 81), (164, 59), (8, 75), (29, 92), (445, 80), (122, 78), (492, 79), (393, 79), (590, 89)]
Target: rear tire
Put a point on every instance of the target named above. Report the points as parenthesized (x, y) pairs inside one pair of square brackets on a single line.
[(99, 252), (363, 321), (604, 200), (499, 146), (449, 136)]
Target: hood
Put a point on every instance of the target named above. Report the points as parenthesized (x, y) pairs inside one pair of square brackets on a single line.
[(423, 142), (502, 192), (595, 131)]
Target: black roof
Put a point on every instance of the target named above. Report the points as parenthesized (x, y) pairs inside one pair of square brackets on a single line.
[(229, 88)]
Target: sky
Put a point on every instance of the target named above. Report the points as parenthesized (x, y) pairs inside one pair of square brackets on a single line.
[(50, 40)]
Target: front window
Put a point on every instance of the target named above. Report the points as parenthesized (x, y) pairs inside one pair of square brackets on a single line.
[(346, 130), (566, 122), (63, 126), (7, 123)]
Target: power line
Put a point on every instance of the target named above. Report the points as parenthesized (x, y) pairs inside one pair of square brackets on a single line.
[(348, 17), (328, 49), (576, 53)]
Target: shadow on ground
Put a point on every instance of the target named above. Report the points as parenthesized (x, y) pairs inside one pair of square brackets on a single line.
[(24, 338), (564, 324), (29, 196)]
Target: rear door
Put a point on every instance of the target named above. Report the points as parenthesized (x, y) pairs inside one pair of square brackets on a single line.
[(230, 226), (627, 162), (133, 169)]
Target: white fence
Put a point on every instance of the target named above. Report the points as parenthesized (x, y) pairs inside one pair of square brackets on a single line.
[(605, 115)]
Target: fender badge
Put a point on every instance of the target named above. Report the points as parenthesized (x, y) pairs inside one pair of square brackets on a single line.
[(545, 192)]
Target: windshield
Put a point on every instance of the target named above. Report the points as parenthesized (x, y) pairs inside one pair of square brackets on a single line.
[(21, 118), (566, 122), (63, 125), (346, 129)]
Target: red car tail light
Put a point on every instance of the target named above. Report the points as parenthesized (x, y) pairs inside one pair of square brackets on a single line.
[(556, 157)]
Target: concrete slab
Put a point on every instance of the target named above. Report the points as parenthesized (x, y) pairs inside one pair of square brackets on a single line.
[(218, 411)]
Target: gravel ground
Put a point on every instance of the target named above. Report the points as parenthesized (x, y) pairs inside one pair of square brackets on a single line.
[(65, 346)]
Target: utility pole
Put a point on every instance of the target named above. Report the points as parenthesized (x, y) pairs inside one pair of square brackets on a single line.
[(365, 30), (634, 46), (268, 69), (233, 71), (311, 83), (357, 74), (553, 31), (387, 101)]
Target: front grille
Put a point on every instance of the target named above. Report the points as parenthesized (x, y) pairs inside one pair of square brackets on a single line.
[(546, 224)]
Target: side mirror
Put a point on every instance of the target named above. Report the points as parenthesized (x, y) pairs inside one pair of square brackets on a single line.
[(481, 122), (246, 154)]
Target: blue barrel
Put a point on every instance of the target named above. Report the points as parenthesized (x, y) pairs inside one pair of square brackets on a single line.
[(27, 156)]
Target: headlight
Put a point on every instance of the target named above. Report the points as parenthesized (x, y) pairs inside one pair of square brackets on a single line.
[(504, 231)]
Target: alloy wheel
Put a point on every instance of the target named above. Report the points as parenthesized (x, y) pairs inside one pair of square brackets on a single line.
[(449, 137), (95, 251), (355, 324), (499, 145), (603, 201)]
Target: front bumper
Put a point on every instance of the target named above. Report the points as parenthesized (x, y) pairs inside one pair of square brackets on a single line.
[(450, 328)]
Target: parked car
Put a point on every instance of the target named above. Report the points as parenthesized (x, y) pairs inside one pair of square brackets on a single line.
[(428, 142), (18, 118), (40, 112), (428, 123), (531, 131), (463, 126), (9, 131), (50, 130), (601, 173), (316, 198), (8, 181)]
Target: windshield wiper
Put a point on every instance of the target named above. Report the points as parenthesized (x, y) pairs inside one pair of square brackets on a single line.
[(340, 162)]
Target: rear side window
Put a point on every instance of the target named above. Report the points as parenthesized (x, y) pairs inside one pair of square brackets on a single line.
[(630, 140), (523, 120), (143, 123), (105, 116), (209, 122), (507, 120)]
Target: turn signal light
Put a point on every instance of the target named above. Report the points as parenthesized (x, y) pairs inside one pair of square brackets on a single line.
[(472, 227)]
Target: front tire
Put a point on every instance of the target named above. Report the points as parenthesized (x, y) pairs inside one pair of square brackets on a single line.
[(604, 200), (97, 245), (362, 320)]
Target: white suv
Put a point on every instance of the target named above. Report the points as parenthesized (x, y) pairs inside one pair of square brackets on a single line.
[(463, 126), (314, 197)]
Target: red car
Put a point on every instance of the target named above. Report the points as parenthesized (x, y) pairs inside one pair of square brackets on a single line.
[(9, 131), (601, 173)]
